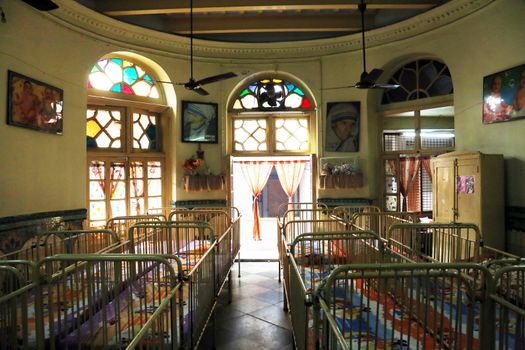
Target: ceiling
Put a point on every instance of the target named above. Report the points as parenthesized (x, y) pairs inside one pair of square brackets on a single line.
[(260, 20)]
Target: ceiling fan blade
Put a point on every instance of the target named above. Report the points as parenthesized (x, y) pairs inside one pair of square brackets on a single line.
[(200, 91), (371, 77), (216, 78), (169, 82), (385, 86), (339, 87), (42, 5)]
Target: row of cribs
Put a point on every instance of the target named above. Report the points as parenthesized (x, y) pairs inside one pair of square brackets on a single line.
[(154, 288), (354, 289)]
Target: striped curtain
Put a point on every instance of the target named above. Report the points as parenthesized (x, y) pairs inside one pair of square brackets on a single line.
[(408, 169), (256, 174), (290, 173)]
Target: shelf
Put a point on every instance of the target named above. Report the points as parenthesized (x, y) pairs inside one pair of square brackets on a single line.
[(203, 182), (341, 181)]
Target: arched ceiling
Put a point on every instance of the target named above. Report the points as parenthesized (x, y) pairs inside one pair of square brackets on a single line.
[(260, 20)]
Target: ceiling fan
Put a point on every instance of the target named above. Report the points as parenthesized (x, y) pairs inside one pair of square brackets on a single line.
[(367, 80), (42, 5), (196, 85)]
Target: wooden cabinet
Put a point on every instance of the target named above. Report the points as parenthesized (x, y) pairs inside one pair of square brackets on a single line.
[(467, 187)]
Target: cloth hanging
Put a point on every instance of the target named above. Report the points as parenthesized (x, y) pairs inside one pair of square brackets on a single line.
[(256, 174), (408, 169), (426, 165), (290, 174)]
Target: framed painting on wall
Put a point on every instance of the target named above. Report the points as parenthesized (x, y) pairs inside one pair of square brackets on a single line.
[(342, 127), (199, 122), (504, 95), (33, 104)]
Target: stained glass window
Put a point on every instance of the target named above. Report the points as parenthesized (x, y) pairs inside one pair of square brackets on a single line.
[(103, 128), (144, 131), (250, 135), (271, 94), (122, 76), (291, 134), (125, 158)]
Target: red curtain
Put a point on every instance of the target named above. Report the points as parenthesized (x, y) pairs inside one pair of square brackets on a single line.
[(256, 174), (426, 165), (408, 169), (290, 174)]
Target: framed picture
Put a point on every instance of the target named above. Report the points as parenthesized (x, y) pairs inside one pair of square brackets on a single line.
[(33, 104), (342, 127), (504, 95), (199, 122)]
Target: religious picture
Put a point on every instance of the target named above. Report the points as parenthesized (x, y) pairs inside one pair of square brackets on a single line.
[(342, 127), (199, 122)]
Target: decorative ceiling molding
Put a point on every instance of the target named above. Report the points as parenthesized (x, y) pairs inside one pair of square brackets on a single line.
[(81, 19)]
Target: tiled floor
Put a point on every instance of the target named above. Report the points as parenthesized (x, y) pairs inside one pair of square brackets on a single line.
[(255, 319)]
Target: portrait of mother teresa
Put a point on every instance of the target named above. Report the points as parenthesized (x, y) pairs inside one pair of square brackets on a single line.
[(342, 127), (199, 122)]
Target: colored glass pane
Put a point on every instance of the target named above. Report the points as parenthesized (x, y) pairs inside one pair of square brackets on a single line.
[(130, 75), (118, 61), (89, 85), (252, 87), (298, 91), (290, 86), (90, 142), (306, 103), (117, 88), (92, 128), (148, 78), (244, 92), (95, 69), (278, 81), (126, 89), (102, 63), (127, 64), (265, 81), (237, 104)]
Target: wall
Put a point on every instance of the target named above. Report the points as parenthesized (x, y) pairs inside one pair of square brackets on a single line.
[(45, 172)]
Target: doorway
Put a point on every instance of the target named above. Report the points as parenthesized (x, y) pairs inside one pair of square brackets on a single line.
[(272, 199)]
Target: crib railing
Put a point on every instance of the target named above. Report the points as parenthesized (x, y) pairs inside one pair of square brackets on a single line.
[(121, 224), (380, 222), (419, 305), (312, 258)]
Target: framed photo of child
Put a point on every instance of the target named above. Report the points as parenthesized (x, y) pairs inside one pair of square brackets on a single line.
[(33, 104), (504, 95)]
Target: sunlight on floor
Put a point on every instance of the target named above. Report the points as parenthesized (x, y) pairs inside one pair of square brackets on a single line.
[(263, 249)]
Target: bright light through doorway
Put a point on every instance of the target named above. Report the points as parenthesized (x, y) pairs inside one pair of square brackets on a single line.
[(271, 199)]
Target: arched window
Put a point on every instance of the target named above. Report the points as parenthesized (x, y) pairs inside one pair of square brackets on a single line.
[(122, 76), (418, 123), (126, 164), (271, 115)]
